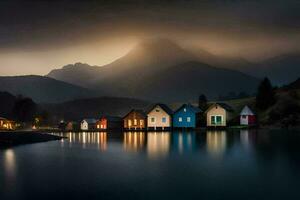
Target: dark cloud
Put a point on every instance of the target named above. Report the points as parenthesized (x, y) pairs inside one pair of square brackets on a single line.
[(249, 26)]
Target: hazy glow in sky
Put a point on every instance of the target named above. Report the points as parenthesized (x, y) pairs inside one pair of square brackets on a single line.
[(37, 36)]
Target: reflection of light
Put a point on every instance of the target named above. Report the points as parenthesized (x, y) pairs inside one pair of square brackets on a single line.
[(158, 144), (180, 142), (244, 137), (102, 140), (134, 140), (9, 163), (216, 142)]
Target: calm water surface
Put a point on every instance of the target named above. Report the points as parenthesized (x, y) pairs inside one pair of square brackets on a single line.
[(136, 165)]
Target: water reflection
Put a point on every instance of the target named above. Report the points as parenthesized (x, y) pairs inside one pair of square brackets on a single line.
[(158, 144), (134, 141), (184, 141), (10, 166), (86, 139), (216, 143)]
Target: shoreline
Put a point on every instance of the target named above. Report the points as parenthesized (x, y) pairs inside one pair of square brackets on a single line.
[(15, 138)]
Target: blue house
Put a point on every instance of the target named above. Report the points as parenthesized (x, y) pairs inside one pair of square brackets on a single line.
[(186, 116)]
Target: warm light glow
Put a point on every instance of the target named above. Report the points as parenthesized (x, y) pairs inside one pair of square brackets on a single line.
[(216, 142), (134, 140), (158, 144)]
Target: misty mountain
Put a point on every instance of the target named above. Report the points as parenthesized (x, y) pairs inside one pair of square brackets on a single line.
[(145, 58), (185, 81), (152, 70), (42, 89), (94, 107)]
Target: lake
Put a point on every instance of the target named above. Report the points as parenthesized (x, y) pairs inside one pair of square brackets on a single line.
[(243, 164)]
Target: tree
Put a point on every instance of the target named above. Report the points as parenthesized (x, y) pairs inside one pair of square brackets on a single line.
[(24, 109), (265, 95), (202, 102)]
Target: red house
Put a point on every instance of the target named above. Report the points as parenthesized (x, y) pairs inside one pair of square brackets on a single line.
[(109, 123), (247, 117)]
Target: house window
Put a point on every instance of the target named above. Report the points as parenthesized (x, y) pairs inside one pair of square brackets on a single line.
[(180, 119), (244, 116), (98, 126), (141, 122), (184, 110), (213, 119), (157, 110), (164, 120), (129, 122), (216, 120), (219, 119), (135, 122), (152, 119), (188, 119)]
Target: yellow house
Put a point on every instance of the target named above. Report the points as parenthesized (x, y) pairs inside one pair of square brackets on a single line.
[(218, 114)]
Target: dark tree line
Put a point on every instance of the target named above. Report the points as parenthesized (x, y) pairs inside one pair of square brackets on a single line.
[(265, 97)]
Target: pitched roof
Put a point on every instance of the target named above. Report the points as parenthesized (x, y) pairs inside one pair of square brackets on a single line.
[(136, 110), (189, 106), (246, 111), (223, 105), (163, 106), (90, 121)]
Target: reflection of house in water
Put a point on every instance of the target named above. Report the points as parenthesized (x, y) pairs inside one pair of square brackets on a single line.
[(247, 137), (158, 143), (134, 141), (89, 138), (216, 142), (183, 141)]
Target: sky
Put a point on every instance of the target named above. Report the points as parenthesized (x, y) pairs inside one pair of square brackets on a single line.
[(38, 36)]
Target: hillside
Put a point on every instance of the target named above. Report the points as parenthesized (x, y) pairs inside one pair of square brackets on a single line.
[(157, 70), (94, 107), (42, 89), (7, 103)]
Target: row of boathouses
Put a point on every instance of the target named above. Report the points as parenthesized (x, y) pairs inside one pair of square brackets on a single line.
[(161, 117)]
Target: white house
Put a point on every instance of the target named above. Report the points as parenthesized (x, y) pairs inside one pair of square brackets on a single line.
[(88, 124), (159, 117), (247, 117)]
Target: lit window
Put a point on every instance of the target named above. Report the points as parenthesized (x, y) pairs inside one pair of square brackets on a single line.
[(135, 122), (188, 119), (141, 122), (164, 120), (184, 110), (180, 119), (129, 123)]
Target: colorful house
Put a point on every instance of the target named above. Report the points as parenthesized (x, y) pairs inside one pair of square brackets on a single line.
[(159, 117), (88, 124), (247, 117), (186, 116), (218, 115), (135, 120), (6, 124), (109, 123)]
